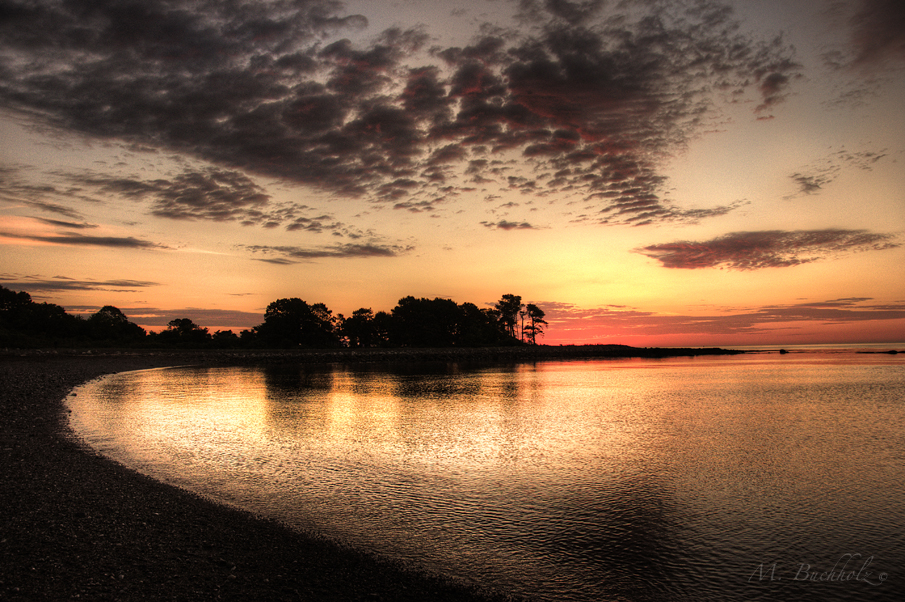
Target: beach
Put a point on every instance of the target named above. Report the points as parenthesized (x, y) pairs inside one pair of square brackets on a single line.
[(75, 525)]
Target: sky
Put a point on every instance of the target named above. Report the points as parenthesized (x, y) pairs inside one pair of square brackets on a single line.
[(649, 173)]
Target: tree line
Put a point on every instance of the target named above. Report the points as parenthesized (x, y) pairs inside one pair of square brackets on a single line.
[(288, 324)]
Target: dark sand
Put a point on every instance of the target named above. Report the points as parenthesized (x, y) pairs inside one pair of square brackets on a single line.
[(76, 525)]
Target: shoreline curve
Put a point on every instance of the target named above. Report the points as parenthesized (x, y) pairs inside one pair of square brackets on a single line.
[(77, 524)]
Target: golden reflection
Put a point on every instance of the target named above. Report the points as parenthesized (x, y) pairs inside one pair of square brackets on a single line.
[(533, 417), (542, 417), (176, 416), (218, 403), (524, 470), (547, 418)]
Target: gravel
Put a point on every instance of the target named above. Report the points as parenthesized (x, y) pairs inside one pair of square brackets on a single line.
[(75, 525)]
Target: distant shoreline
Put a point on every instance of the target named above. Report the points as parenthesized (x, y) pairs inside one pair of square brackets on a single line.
[(379, 355)]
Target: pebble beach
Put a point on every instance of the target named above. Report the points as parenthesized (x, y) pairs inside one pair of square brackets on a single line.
[(75, 525)]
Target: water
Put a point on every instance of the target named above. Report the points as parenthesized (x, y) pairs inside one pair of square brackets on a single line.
[(731, 478)]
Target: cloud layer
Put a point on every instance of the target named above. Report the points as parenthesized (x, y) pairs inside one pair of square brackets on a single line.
[(81, 240), (61, 283), (592, 100), (812, 179), (878, 31), (766, 249), (284, 255), (621, 321)]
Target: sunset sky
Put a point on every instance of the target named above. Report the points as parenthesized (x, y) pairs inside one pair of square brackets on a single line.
[(652, 173)]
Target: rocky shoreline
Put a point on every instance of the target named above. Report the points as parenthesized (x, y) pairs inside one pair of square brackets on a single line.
[(76, 525)]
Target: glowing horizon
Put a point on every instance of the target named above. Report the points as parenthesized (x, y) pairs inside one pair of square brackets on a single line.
[(676, 173)]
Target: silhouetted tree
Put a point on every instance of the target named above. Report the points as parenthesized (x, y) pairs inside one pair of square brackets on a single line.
[(358, 330), (248, 339), (535, 324), (225, 339), (293, 323), (509, 306), (184, 333), (111, 326), (287, 323), (441, 323), (481, 327), (425, 322), (383, 327), (12, 302), (24, 323)]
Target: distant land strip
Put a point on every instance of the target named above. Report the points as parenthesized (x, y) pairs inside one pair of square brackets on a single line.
[(518, 353)]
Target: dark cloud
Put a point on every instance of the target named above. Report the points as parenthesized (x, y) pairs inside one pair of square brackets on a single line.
[(812, 179), (214, 194), (862, 159), (507, 225), (61, 283), (157, 318), (871, 47), (878, 31), (833, 311), (810, 184), (449, 154), (202, 194), (313, 224), (418, 206), (15, 188), (266, 88), (572, 12), (284, 255), (773, 88), (221, 318), (52, 207), (642, 212), (72, 225), (80, 240), (276, 260), (211, 194), (766, 249)]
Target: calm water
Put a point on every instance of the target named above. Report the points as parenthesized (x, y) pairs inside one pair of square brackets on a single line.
[(737, 478)]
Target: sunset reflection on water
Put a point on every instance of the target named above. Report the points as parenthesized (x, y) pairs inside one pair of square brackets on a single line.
[(565, 480)]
